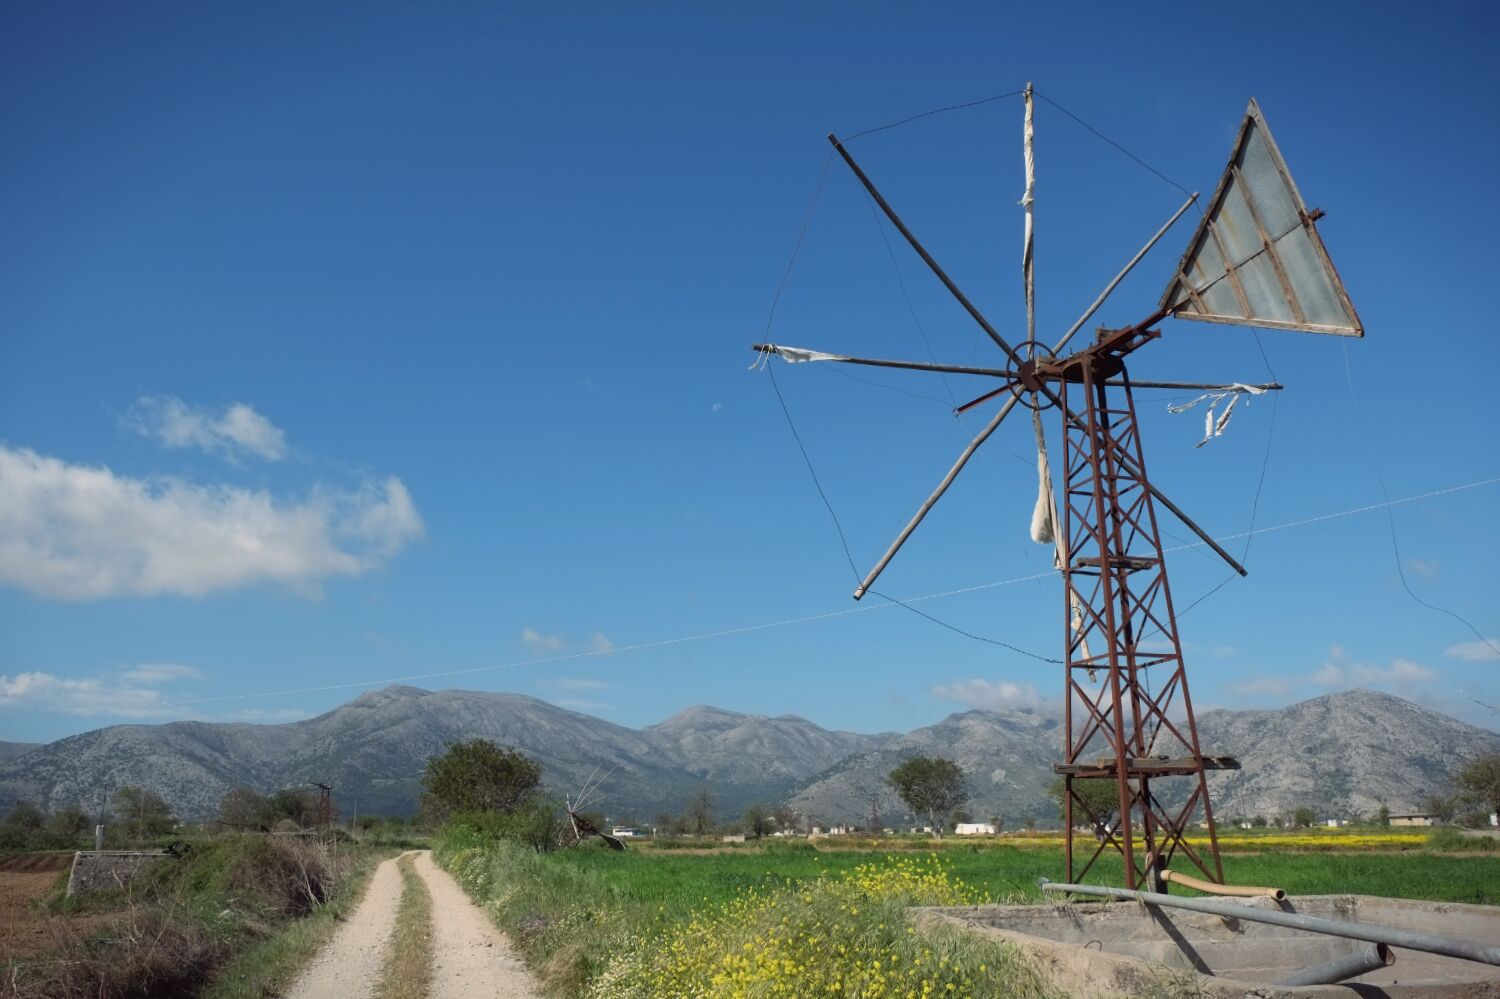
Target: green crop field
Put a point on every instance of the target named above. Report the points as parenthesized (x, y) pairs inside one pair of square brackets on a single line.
[(1002, 872)]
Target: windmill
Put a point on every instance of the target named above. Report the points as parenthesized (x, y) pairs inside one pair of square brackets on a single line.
[(1255, 259)]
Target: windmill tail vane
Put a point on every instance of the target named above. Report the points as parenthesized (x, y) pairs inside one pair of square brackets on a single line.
[(1255, 259)]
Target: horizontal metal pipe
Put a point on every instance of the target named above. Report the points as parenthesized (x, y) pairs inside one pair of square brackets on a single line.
[(1367, 958), (1431, 943), (1237, 891)]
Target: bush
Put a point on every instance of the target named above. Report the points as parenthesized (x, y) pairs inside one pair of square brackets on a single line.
[(152, 952)]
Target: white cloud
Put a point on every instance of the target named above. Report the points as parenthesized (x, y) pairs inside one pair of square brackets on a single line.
[(149, 673), (268, 716), (132, 693), (1475, 652), (577, 683), (600, 643), (999, 696), (717, 406), (577, 705), (237, 429), (1360, 675), (541, 644), (1426, 568), (77, 532), (1276, 686)]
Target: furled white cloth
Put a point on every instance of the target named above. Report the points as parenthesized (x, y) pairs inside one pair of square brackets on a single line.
[(798, 355), (1214, 425), (1044, 514)]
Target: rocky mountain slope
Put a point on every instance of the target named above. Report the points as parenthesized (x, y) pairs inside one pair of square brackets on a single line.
[(1340, 753)]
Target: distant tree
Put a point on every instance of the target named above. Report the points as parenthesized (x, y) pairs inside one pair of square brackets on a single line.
[(758, 821), (296, 806), (1304, 816), (1383, 816), (66, 826), (1098, 804), (1030, 823), (22, 827), (1479, 782), (998, 823), (930, 786), (699, 814), (1442, 807), (244, 808), (786, 818), (142, 813), (478, 776), (663, 823), (366, 822)]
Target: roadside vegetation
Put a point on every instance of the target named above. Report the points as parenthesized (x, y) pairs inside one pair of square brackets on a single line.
[(181, 923)]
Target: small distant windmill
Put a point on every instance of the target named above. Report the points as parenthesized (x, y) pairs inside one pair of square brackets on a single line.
[(580, 826), (1256, 259)]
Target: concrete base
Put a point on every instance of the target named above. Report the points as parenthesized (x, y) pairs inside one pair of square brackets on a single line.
[(108, 870), (1119, 949)]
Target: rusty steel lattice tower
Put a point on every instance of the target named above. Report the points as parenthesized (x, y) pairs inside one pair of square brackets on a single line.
[(1256, 259)]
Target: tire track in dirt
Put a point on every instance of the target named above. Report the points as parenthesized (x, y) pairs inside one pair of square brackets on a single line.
[(349, 966), (471, 957)]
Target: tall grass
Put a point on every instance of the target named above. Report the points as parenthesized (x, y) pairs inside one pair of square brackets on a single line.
[(408, 961)]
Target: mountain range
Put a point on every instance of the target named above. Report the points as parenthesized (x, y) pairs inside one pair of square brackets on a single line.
[(1342, 753)]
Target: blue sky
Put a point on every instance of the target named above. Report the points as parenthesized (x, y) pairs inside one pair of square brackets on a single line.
[(347, 344)]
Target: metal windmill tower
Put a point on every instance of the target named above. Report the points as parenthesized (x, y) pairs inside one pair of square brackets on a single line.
[(1256, 259)]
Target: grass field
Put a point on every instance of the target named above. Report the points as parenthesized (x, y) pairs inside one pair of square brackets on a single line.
[(594, 922), (1010, 873)]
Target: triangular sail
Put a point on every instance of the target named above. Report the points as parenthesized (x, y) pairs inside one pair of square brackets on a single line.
[(1256, 258)]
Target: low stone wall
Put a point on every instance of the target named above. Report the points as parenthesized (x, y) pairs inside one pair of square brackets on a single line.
[(109, 870)]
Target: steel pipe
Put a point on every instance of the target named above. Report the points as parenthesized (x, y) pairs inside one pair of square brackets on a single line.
[(1235, 891), (1367, 958), (1431, 943)]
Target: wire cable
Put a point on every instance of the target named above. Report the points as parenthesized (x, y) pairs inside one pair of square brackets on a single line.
[(929, 114), (1112, 142), (788, 622), (1359, 421)]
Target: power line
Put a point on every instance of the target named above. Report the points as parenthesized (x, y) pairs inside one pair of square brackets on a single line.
[(804, 619)]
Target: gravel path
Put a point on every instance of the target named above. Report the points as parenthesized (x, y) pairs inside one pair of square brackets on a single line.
[(349, 967), (471, 958)]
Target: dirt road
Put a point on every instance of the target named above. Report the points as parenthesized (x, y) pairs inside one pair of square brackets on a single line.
[(471, 958)]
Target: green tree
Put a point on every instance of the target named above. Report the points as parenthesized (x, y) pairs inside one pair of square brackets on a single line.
[(142, 813), (758, 821), (1259, 822), (663, 823), (1383, 816), (1479, 782), (931, 786), (243, 808), (1304, 816), (1098, 802), (478, 776), (1442, 807), (786, 818), (698, 817), (66, 826)]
